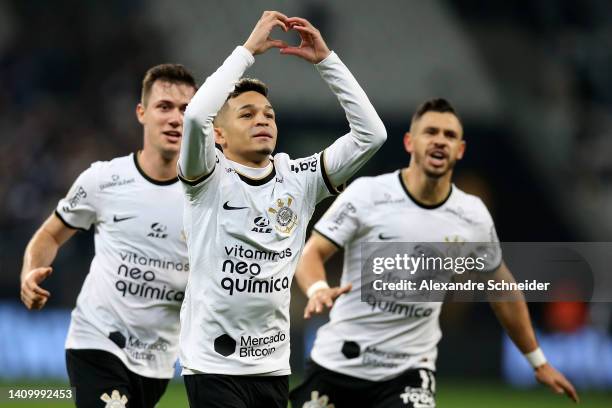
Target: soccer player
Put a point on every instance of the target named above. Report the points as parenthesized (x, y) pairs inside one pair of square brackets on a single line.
[(379, 353), (246, 214), (123, 335)]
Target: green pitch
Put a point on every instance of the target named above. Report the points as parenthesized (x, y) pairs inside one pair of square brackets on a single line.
[(464, 394), (451, 394)]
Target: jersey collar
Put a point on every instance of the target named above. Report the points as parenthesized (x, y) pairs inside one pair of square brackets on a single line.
[(254, 181), (149, 179), (420, 204)]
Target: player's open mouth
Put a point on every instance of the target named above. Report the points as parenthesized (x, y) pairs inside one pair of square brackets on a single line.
[(437, 157), (173, 135)]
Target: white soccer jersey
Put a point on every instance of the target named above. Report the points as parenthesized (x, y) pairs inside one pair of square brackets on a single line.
[(245, 238), (130, 301), (245, 232), (378, 340)]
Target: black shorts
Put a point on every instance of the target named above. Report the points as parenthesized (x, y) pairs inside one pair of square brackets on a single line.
[(94, 373), (413, 389), (236, 391)]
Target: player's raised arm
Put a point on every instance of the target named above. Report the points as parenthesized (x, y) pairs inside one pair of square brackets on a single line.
[(39, 255), (514, 317), (347, 154), (197, 157)]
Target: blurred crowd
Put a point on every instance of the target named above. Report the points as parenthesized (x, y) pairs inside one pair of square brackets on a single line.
[(560, 54), (70, 84)]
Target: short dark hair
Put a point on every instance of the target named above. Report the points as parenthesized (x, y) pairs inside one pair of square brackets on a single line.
[(249, 84), (173, 73), (434, 105), (242, 86)]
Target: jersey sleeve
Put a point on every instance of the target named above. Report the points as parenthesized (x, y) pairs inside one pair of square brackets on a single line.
[(341, 223), (197, 159), (78, 210), (487, 245), (367, 133), (313, 176), (197, 190)]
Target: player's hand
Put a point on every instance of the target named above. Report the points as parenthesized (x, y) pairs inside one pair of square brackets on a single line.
[(32, 295), (313, 47), (548, 375), (260, 41), (324, 298)]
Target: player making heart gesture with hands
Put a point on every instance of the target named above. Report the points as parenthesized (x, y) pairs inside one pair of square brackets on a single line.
[(248, 207)]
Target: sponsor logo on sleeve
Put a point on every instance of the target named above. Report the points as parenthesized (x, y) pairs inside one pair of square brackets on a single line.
[(73, 201), (345, 210), (310, 163)]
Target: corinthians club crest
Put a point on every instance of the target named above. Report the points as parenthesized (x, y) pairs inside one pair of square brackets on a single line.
[(286, 218)]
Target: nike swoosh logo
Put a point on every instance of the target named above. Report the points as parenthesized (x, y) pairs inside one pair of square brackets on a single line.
[(117, 219), (226, 206), (383, 237)]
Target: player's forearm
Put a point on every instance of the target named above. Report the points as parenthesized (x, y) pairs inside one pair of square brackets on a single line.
[(345, 156), (514, 317), (198, 146), (310, 269), (366, 125), (41, 251)]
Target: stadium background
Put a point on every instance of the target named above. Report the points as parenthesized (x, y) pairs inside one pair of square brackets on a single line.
[(531, 80)]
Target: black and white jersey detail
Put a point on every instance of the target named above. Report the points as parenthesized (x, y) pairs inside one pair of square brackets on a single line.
[(378, 340), (245, 236), (130, 301), (235, 317)]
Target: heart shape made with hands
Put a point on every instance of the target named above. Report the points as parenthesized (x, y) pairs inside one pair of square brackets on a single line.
[(312, 47)]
